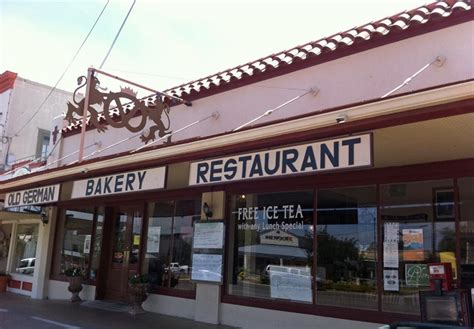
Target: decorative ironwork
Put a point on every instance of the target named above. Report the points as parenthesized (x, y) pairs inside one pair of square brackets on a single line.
[(118, 110)]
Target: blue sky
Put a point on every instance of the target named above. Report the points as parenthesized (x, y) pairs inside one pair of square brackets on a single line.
[(166, 43)]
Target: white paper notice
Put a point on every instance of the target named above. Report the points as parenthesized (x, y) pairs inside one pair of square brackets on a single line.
[(209, 235), (291, 283), (207, 268), (390, 254), (390, 280), (392, 232), (153, 241)]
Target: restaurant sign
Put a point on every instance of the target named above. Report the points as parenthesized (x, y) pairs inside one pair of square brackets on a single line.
[(133, 181), (342, 153), (34, 196)]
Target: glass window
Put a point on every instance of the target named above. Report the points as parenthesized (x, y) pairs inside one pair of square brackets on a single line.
[(418, 228), (347, 247), (96, 248), (73, 239), (25, 248), (466, 225), (271, 246), (169, 243)]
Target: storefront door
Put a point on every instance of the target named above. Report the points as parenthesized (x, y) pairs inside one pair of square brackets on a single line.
[(124, 257)]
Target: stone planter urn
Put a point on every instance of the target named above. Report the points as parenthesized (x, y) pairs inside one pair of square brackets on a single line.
[(137, 294), (75, 287)]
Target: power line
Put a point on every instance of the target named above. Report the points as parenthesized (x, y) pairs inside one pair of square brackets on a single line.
[(117, 35), (62, 75)]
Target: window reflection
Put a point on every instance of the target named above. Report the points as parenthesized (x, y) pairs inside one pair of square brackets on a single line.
[(418, 228), (347, 247), (272, 246), (26, 242), (169, 243)]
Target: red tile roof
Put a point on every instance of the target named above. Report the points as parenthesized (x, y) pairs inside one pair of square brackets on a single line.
[(7, 80), (426, 18)]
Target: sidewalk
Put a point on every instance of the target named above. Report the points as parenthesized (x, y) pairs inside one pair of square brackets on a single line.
[(20, 312)]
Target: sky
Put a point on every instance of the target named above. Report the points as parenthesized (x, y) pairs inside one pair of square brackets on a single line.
[(166, 43)]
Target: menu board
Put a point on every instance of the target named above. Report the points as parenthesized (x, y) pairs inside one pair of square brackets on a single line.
[(208, 235), (207, 267)]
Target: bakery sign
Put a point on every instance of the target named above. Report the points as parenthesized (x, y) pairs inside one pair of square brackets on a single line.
[(341, 153), (127, 182), (33, 196)]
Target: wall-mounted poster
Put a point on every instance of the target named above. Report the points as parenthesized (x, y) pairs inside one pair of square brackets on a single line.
[(208, 235), (207, 267), (390, 280), (413, 244), (416, 275)]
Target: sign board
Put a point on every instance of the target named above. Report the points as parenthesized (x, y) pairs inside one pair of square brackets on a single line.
[(34, 196), (280, 238), (132, 181), (207, 267), (208, 235), (417, 275), (341, 153)]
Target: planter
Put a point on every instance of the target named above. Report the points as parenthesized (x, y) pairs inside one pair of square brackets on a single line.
[(75, 287), (137, 294), (4, 282)]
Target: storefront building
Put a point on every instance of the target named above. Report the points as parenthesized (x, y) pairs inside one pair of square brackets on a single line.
[(332, 208)]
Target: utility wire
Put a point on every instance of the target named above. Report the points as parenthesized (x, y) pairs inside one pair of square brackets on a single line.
[(62, 75), (117, 35)]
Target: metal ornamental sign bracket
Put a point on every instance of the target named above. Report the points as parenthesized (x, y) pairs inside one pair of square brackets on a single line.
[(119, 108)]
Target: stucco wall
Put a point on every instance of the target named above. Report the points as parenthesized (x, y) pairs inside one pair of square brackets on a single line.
[(25, 99), (362, 76)]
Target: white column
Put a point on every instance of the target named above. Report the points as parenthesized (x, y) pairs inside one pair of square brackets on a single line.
[(208, 297)]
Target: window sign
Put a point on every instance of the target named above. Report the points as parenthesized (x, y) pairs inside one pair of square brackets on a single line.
[(133, 181), (291, 283), (38, 195), (417, 275), (390, 280), (153, 241), (341, 153), (207, 267), (208, 235)]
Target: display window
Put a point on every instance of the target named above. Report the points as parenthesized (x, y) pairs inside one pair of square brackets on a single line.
[(169, 243), (26, 241), (271, 246), (418, 228), (347, 247), (77, 244)]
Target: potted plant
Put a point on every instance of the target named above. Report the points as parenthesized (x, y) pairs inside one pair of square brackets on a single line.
[(75, 276), (4, 277), (137, 288)]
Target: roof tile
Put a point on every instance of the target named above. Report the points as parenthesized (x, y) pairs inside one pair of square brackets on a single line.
[(404, 21)]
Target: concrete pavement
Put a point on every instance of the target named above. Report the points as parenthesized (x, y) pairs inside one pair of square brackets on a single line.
[(20, 312)]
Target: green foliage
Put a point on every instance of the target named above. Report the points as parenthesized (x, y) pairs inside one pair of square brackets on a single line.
[(74, 271), (138, 279), (350, 286)]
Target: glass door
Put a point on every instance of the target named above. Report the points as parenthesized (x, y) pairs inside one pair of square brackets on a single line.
[(124, 259)]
